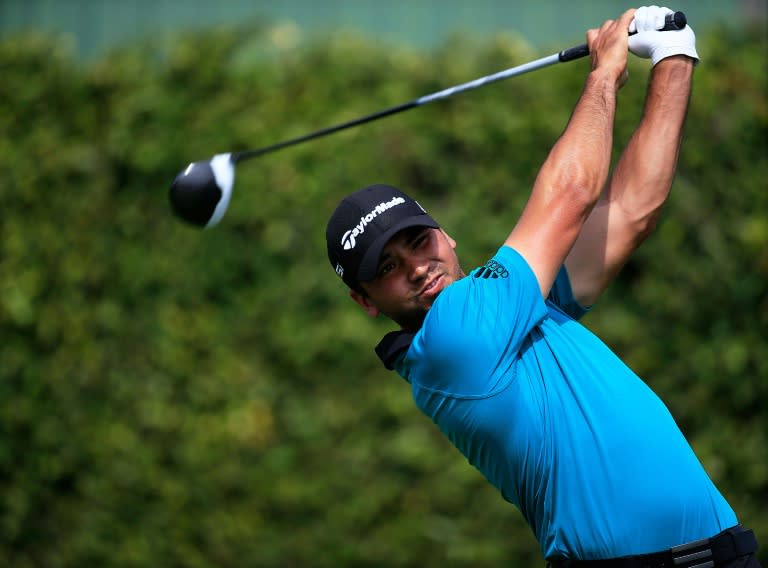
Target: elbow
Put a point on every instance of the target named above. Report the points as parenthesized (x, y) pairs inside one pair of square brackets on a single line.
[(568, 190), (582, 197), (648, 224), (644, 226), (580, 187)]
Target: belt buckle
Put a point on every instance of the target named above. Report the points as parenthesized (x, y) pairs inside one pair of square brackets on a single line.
[(683, 556)]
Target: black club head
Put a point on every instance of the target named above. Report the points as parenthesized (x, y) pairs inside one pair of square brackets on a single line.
[(200, 194)]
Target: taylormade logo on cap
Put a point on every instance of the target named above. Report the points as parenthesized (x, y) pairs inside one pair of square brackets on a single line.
[(349, 238)]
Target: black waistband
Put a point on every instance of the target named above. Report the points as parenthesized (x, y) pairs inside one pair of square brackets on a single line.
[(706, 553)]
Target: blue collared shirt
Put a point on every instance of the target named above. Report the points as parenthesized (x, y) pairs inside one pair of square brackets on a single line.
[(555, 420)]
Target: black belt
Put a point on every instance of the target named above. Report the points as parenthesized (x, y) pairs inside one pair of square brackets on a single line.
[(706, 553)]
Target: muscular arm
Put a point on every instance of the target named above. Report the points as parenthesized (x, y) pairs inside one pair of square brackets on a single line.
[(572, 177), (628, 210)]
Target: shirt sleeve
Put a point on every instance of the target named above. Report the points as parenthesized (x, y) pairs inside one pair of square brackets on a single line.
[(477, 326), (561, 295)]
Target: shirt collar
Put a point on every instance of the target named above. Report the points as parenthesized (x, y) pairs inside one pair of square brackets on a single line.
[(392, 345)]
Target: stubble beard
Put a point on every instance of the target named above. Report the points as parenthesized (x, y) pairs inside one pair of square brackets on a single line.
[(413, 319)]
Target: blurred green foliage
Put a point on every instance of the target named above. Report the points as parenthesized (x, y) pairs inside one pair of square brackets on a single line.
[(175, 397)]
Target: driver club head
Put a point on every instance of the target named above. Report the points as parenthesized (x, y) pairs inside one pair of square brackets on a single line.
[(200, 194)]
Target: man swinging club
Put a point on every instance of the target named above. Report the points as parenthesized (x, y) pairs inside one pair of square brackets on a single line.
[(552, 418)]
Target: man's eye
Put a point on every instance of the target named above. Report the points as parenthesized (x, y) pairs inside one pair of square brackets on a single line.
[(420, 240), (385, 269)]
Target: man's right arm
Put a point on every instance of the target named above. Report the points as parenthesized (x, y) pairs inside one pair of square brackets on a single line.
[(572, 177)]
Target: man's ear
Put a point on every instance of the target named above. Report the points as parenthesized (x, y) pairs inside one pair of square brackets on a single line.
[(365, 303)]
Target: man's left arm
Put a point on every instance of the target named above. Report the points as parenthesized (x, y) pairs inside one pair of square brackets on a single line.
[(629, 207)]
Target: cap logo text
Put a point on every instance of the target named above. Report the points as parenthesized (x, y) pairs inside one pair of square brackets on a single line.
[(349, 238)]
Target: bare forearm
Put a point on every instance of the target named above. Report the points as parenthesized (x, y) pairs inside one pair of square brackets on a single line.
[(627, 212), (577, 166), (644, 174), (573, 175), (569, 182)]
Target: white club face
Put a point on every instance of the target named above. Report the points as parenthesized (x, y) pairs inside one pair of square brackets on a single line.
[(224, 172)]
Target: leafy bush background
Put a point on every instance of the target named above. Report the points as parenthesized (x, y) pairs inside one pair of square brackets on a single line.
[(175, 397)]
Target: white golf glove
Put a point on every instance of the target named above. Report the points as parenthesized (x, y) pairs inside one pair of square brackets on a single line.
[(648, 42)]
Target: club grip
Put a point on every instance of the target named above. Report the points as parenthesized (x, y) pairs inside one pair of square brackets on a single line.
[(672, 21), (675, 21)]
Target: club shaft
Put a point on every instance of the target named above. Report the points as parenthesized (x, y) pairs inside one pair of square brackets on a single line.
[(506, 74), (674, 21), (445, 93), (236, 157)]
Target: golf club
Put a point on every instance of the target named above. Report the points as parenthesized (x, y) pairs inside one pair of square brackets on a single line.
[(200, 194)]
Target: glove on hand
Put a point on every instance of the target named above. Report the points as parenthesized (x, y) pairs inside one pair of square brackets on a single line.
[(648, 42)]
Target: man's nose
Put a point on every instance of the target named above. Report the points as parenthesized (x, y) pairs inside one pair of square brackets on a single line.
[(418, 266)]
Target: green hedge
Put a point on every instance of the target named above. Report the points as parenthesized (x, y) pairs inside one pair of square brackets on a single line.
[(176, 397)]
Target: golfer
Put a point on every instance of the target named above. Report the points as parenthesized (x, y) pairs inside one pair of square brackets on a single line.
[(552, 418)]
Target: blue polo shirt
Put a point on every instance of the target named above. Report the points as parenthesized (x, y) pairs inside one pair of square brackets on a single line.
[(555, 420)]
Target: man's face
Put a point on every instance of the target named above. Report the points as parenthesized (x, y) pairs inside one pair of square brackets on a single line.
[(415, 266)]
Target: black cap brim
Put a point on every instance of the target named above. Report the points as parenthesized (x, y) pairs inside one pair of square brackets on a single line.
[(370, 263)]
